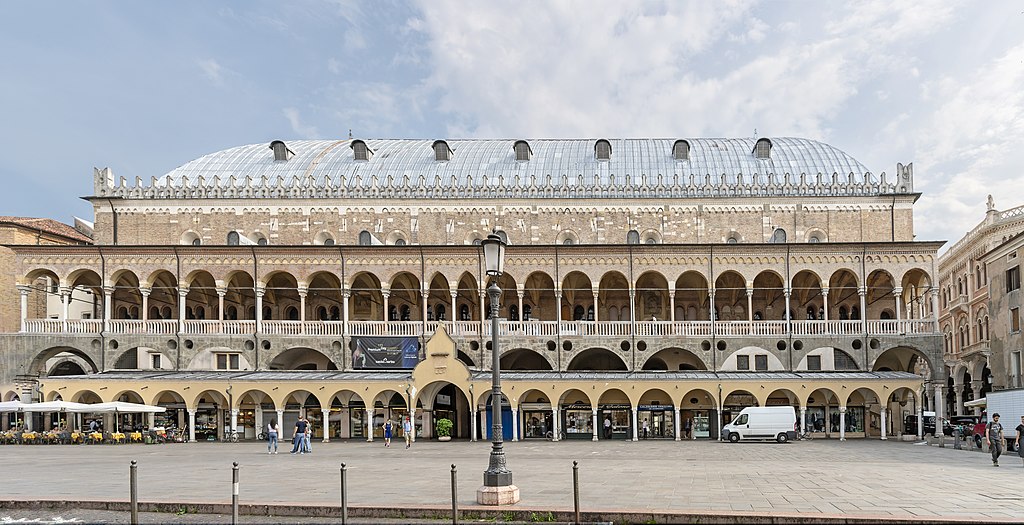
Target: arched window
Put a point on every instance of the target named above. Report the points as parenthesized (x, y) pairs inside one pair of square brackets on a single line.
[(267, 313), (602, 150), (513, 313), (292, 313), (758, 315), (200, 312), (406, 313), (232, 313), (885, 315), (844, 314), (328, 242), (590, 313), (681, 150), (464, 312), (399, 242), (763, 149), (778, 236), (527, 312), (122, 312), (281, 151), (732, 240), (262, 241), (523, 151), (360, 151), (321, 313), (651, 240), (197, 242), (335, 313), (441, 313), (441, 151), (232, 238), (365, 239), (430, 313), (812, 313), (392, 313), (633, 237), (567, 241), (578, 312), (855, 313)]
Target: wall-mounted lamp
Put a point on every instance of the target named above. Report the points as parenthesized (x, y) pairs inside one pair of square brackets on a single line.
[(186, 388), (275, 388), (103, 388), (62, 388), (145, 387)]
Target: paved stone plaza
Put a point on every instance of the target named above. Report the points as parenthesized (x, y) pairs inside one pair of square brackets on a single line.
[(855, 478)]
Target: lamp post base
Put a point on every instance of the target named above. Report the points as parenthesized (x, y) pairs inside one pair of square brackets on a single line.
[(500, 495)]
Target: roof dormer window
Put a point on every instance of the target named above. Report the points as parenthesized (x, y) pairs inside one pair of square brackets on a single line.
[(763, 149), (602, 150), (522, 149), (681, 150), (441, 151), (281, 151), (360, 151)]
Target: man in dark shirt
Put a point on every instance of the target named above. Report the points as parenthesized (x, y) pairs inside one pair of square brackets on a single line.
[(994, 439), (298, 436), (1020, 438)]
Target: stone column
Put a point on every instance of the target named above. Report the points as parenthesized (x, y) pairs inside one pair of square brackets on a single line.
[(260, 424), (884, 428), (935, 309), (788, 292), (145, 304), (108, 298), (369, 425), (24, 303), (483, 309), (522, 317), (558, 313), (221, 293), (556, 424), (842, 423), (976, 390), (472, 421), (711, 310), (672, 304), (425, 300), (593, 411), (803, 420), (191, 426), (634, 423), (303, 293), (234, 419), (940, 412), (326, 414), (515, 424), (259, 308), (824, 301), (455, 313), (345, 295), (280, 425), (596, 316), (863, 292), (958, 393), (679, 424), (750, 308), (632, 306), (920, 414), (182, 293), (898, 294), (386, 294)]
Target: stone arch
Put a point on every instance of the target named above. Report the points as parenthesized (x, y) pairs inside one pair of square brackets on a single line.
[(38, 363), (439, 302), (596, 359), (324, 296), (731, 362), (40, 273), (692, 297), (211, 396), (366, 302), (613, 297), (539, 297), (166, 398), (302, 358), (406, 297), (67, 365), (906, 359), (769, 299), (524, 359), (675, 359), (730, 296), (448, 400), (577, 296), (782, 396), (85, 396), (652, 300)]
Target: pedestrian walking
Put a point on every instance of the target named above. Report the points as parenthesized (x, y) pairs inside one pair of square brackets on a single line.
[(387, 433), (305, 438), (272, 436), (607, 427), (688, 427), (647, 428), (298, 436), (994, 439), (1020, 438), (408, 431)]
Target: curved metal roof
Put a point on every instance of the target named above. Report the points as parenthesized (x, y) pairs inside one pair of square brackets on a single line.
[(477, 162)]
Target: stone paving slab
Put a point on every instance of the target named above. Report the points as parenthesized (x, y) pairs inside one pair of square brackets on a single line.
[(820, 477)]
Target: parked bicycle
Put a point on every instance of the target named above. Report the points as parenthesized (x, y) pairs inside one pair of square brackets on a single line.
[(551, 436), (230, 436)]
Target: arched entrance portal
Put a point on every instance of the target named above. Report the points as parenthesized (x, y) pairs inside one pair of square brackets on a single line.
[(443, 400)]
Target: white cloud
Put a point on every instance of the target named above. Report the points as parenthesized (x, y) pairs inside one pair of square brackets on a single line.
[(303, 130), (212, 70)]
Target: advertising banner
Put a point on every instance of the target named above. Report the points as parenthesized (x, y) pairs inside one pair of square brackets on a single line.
[(385, 352)]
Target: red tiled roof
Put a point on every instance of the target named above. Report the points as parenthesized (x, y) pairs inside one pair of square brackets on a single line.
[(48, 226)]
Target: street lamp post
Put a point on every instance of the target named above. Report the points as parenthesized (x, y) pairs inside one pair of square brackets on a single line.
[(498, 488)]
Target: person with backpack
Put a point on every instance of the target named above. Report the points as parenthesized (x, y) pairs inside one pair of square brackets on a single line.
[(994, 438), (387, 433), (272, 436)]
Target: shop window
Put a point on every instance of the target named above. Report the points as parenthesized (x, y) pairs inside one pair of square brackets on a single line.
[(814, 362), (760, 362), (743, 362), (1013, 279)]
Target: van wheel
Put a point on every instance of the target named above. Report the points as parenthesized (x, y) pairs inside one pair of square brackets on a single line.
[(734, 438), (782, 438)]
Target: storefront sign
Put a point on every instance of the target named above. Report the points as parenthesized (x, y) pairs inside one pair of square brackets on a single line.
[(654, 407), (615, 407), (444, 399), (385, 352)]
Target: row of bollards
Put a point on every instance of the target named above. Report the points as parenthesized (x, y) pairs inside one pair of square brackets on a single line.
[(134, 490)]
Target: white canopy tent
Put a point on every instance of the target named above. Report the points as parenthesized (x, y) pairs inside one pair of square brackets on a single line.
[(114, 407), (11, 406)]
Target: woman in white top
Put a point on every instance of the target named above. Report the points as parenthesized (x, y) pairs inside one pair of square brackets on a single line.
[(272, 436)]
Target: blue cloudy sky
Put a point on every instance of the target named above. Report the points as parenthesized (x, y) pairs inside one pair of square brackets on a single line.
[(142, 87)]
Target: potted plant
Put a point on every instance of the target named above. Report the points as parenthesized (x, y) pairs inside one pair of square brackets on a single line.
[(444, 429)]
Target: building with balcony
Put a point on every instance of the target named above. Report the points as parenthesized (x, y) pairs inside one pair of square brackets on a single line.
[(658, 280), (969, 305)]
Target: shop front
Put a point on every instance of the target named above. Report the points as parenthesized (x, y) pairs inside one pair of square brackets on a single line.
[(207, 426), (536, 420), (660, 421), (577, 421), (615, 421)]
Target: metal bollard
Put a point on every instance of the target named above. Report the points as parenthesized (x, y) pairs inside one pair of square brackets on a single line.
[(576, 490), (455, 496), (234, 493), (344, 496), (133, 477)]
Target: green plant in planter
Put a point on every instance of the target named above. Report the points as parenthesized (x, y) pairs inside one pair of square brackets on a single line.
[(444, 427)]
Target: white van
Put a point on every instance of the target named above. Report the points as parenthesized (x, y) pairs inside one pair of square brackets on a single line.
[(776, 423)]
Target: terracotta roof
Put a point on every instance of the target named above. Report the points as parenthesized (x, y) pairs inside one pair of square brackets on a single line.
[(49, 226)]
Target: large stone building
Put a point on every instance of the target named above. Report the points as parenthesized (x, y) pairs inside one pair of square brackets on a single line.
[(973, 301), (649, 280)]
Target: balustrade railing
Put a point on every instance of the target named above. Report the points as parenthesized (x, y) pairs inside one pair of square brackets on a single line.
[(769, 328)]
